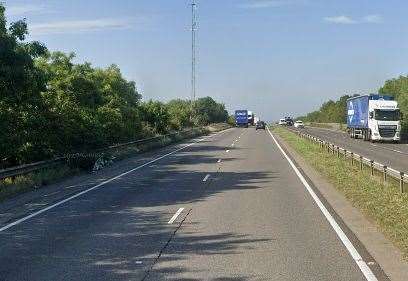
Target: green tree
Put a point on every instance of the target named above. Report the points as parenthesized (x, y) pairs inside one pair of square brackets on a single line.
[(50, 105), (22, 112), (207, 110), (156, 114), (330, 112), (92, 107), (398, 88), (180, 113)]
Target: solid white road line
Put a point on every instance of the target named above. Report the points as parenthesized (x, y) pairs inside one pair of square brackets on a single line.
[(101, 184), (206, 177), (368, 274), (174, 217)]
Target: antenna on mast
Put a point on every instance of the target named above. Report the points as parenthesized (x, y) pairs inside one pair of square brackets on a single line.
[(193, 50)]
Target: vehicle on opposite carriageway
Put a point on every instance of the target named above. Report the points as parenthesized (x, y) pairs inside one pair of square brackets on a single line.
[(373, 117), (299, 124)]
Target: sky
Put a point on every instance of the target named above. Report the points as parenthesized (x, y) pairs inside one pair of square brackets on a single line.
[(274, 57)]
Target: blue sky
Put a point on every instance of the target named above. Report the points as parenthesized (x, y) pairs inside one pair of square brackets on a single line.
[(276, 57)]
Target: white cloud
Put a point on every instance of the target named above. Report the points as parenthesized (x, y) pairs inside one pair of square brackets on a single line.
[(79, 26), (340, 20), (22, 10), (372, 19), (260, 4), (348, 20)]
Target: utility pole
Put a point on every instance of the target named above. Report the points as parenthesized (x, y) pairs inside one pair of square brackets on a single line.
[(193, 52)]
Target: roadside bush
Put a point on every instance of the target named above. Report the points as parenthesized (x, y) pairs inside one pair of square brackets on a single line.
[(51, 106)]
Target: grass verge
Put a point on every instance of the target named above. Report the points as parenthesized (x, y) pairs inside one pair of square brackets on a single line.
[(12, 186), (379, 201)]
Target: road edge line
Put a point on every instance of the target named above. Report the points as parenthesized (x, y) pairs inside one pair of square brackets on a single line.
[(364, 268), (25, 218)]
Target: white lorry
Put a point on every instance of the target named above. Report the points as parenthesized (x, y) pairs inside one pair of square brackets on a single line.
[(374, 117)]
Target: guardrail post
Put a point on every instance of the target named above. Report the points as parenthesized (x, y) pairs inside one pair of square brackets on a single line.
[(385, 173), (372, 167), (345, 153), (352, 158), (361, 163), (338, 152), (402, 182)]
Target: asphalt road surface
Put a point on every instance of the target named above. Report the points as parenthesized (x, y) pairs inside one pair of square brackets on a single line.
[(393, 155), (227, 207)]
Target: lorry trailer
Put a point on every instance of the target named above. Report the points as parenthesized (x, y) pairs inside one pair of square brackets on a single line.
[(373, 117), (241, 118)]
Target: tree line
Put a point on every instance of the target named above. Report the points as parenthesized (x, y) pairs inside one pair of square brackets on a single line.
[(50, 105), (329, 112), (398, 87)]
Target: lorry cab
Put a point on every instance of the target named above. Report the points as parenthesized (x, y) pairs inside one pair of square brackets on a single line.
[(384, 120)]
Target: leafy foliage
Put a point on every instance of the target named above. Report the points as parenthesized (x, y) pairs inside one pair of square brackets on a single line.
[(51, 106), (398, 88), (180, 112), (21, 84), (329, 112), (208, 111), (157, 115), (91, 107)]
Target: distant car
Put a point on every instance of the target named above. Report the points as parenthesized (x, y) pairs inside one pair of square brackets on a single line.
[(260, 125), (299, 124), (282, 122)]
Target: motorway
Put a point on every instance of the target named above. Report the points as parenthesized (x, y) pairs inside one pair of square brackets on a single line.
[(392, 155), (225, 207)]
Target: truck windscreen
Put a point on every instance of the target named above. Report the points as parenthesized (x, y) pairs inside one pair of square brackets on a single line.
[(387, 115)]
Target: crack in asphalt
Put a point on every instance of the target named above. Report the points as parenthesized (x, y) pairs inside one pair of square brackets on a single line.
[(165, 246), (173, 235)]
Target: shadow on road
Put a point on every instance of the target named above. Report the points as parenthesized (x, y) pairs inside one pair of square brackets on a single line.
[(117, 232)]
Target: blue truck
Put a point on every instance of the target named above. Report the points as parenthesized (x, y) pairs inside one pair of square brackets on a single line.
[(373, 117), (241, 118)]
